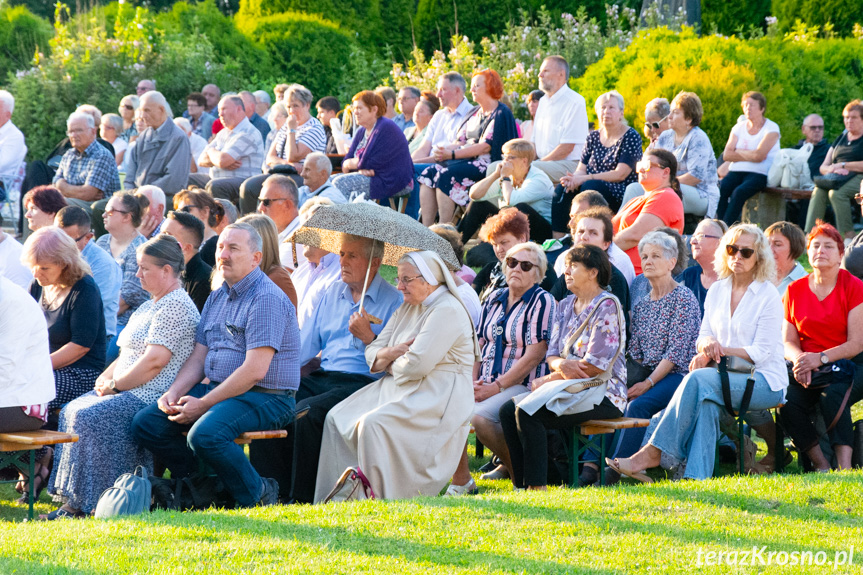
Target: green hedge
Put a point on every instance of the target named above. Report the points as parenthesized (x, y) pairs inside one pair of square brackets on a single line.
[(797, 78), (841, 14), (21, 33), (733, 16)]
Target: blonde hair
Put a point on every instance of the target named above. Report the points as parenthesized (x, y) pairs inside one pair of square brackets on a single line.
[(538, 256), (520, 148), (617, 96), (269, 240), (52, 245), (765, 266)]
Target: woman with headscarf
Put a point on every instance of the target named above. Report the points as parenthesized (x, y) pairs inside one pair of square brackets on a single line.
[(407, 430)]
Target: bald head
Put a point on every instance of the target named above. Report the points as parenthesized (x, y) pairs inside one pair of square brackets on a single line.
[(248, 103), (813, 129)]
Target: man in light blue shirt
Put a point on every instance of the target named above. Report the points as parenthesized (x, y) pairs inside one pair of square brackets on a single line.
[(316, 179), (337, 332), (76, 223)]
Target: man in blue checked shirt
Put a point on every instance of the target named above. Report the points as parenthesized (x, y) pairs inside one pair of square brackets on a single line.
[(247, 345), (339, 333), (88, 172)]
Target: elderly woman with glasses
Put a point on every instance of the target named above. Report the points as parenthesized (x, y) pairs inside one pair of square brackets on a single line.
[(406, 431), (128, 105), (588, 340), (823, 334), (513, 182), (513, 333), (703, 243), (656, 120), (664, 329), (607, 164), (157, 341), (742, 319), (662, 205)]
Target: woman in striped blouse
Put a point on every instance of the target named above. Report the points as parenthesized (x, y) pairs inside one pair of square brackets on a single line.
[(513, 334)]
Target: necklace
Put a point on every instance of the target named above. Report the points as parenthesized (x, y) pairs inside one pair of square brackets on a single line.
[(50, 304)]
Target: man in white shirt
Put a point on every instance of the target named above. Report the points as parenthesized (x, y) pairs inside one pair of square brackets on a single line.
[(560, 126), (316, 177), (442, 129), (12, 147), (278, 201), (10, 261)]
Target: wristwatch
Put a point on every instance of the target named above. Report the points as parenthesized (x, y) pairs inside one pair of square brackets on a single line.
[(506, 179), (112, 385), (824, 358)]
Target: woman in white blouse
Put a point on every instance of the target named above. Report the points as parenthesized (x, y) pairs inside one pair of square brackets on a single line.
[(748, 155), (154, 345), (743, 319)]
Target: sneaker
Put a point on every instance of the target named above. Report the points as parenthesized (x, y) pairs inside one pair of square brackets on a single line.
[(499, 472), (270, 492), (491, 465), (469, 488)]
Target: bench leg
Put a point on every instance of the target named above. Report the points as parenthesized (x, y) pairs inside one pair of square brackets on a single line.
[(741, 447), (779, 459), (31, 489), (601, 460)]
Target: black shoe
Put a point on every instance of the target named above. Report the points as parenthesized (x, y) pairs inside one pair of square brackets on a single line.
[(612, 477), (589, 476), (270, 493), (727, 454)]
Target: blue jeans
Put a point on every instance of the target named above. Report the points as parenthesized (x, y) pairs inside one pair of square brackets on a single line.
[(689, 428), (413, 207), (211, 438), (645, 406)]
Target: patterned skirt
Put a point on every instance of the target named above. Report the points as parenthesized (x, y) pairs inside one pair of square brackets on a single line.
[(104, 451), (71, 383), (455, 178)]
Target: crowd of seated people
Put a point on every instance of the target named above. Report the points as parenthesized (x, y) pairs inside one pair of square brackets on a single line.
[(160, 322)]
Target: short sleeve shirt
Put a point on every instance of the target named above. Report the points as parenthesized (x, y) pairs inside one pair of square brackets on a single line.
[(95, 167), (170, 322), (747, 141), (311, 134), (664, 204), (822, 324), (843, 151), (243, 143)]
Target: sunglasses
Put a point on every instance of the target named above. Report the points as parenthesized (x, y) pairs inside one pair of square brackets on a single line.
[(512, 263), (732, 250), (646, 165), (267, 201), (655, 125), (128, 107)]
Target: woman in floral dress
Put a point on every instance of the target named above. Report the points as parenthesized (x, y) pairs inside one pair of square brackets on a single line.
[(462, 163)]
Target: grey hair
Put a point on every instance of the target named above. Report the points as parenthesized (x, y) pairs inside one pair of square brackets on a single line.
[(115, 121), (320, 161), (93, 111), (661, 240), (373, 248), (166, 250), (234, 99), (539, 257), (256, 244), (561, 63), (231, 213), (658, 106), (415, 92), (183, 124), (287, 185), (154, 193), (8, 100), (133, 98), (612, 94), (279, 108), (158, 99), (300, 93), (91, 123), (263, 97), (455, 79)]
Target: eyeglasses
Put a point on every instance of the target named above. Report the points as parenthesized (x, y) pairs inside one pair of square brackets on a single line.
[(655, 125), (112, 212), (234, 330), (702, 237), (512, 263), (127, 106), (821, 127), (406, 281), (79, 238), (267, 201), (732, 250)]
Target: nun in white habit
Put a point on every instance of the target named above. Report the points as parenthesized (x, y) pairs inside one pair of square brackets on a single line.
[(407, 430)]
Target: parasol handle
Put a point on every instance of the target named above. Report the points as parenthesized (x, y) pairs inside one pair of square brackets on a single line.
[(366, 282)]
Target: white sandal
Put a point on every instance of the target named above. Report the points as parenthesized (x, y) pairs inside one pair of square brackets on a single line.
[(469, 488)]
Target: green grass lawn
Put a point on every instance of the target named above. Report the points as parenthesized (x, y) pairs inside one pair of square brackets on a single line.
[(625, 529)]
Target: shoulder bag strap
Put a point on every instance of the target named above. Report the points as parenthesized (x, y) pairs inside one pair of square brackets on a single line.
[(726, 389), (570, 341)]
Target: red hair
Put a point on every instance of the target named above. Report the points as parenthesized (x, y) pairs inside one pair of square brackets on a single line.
[(370, 99), (493, 83), (822, 228), (507, 221)]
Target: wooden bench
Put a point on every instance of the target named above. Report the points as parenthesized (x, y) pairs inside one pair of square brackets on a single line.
[(768, 207), (582, 442), (13, 444)]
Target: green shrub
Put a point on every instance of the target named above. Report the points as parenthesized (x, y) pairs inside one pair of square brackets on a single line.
[(797, 78), (840, 14), (21, 34), (733, 16)]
